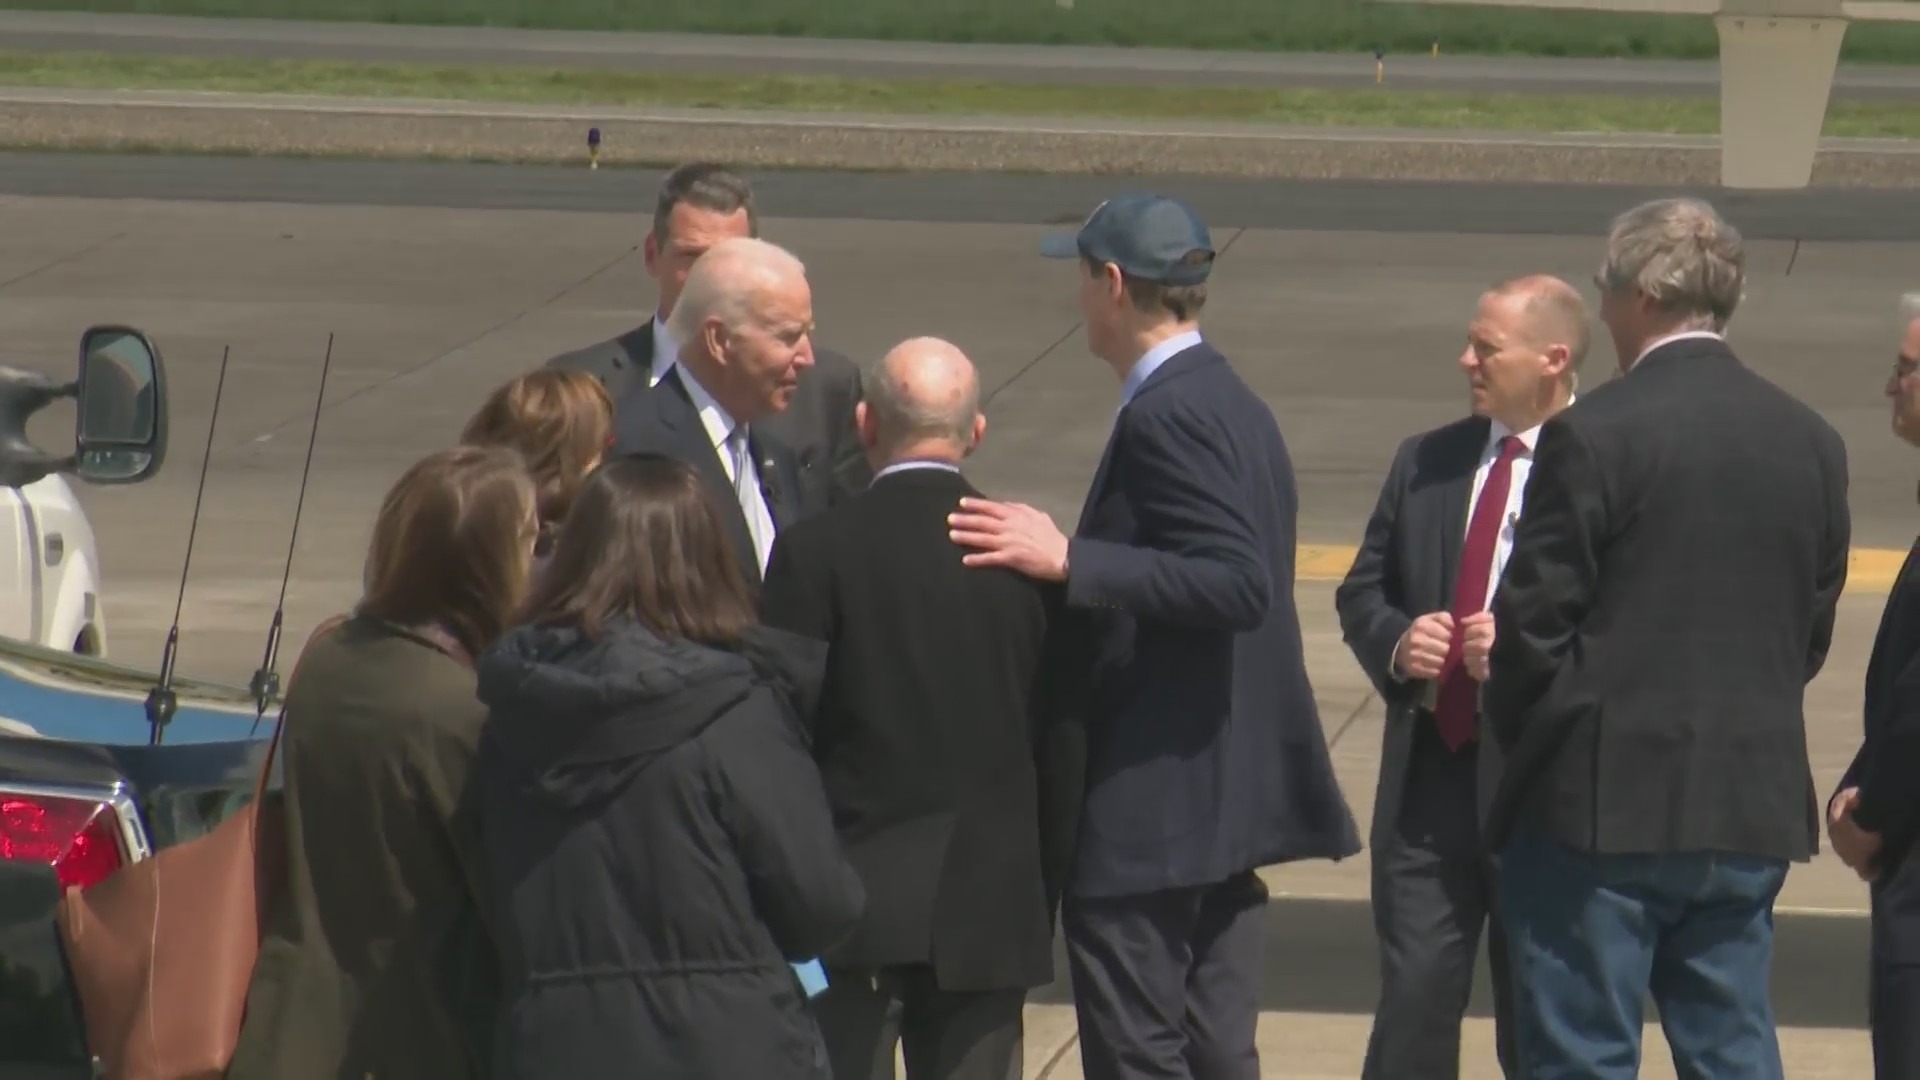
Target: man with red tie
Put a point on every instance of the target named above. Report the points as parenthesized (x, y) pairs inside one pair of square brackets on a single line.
[(1413, 609)]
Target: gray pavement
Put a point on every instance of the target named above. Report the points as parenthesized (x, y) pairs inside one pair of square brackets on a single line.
[(698, 53), (1346, 321), (1375, 206)]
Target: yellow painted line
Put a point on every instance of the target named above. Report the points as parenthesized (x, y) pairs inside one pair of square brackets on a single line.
[(1868, 570)]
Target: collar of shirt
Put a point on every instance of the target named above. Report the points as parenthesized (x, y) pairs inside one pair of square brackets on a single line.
[(718, 422), (666, 352), (1497, 431), (1670, 339), (1150, 363), (922, 463)]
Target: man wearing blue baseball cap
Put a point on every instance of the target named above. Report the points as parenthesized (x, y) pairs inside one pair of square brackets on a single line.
[(1205, 757)]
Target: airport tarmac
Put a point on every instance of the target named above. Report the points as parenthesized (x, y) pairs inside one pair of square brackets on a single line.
[(274, 39), (1349, 331)]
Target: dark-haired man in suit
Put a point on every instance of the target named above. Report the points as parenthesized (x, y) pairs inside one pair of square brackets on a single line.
[(1205, 755), (699, 205), (745, 320), (1413, 610), (953, 790)]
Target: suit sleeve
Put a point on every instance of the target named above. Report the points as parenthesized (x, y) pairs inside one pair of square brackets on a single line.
[(1060, 751), (776, 813), (852, 473), (1369, 600), (1199, 562), (1889, 799), (1831, 579), (792, 596), (1548, 587)]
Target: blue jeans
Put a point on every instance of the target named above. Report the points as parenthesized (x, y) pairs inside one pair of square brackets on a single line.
[(1591, 936)]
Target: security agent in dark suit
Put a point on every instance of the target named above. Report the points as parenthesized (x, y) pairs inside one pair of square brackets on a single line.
[(699, 205), (1206, 759), (1670, 593), (953, 789), (1413, 610), (746, 316), (1874, 816)]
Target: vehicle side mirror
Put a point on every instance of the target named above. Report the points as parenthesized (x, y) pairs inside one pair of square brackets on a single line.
[(120, 424)]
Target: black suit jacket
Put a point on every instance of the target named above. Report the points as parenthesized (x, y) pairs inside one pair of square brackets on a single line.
[(817, 424), (954, 797), (1887, 765), (1406, 567), (1205, 752), (1670, 593), (663, 420)]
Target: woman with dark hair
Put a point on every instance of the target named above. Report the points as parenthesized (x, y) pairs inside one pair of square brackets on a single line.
[(658, 843), (376, 960)]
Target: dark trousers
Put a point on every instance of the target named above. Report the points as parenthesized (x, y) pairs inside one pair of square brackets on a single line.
[(1433, 893), (1593, 935), (1893, 1012), (942, 1034), (1166, 986)]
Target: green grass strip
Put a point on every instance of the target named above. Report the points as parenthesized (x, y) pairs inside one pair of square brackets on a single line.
[(1373, 108), (1353, 26)]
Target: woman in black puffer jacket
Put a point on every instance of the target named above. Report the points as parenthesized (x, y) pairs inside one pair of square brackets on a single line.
[(658, 844)]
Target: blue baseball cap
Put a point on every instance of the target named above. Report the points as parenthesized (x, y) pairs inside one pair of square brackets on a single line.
[(1150, 237)]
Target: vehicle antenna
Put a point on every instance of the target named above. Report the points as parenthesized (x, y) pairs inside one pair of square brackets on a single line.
[(266, 681), (162, 702)]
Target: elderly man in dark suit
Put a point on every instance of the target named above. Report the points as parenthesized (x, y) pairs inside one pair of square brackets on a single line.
[(953, 787), (1670, 593), (1413, 610), (1874, 817), (699, 205), (745, 320), (1205, 755)]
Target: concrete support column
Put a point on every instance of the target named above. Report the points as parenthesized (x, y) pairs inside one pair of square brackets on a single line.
[(1776, 73)]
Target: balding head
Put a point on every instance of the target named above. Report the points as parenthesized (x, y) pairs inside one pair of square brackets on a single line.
[(921, 400), (1552, 313), (1524, 348), (744, 322)]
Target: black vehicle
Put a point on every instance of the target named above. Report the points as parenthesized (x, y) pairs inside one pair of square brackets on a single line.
[(87, 783)]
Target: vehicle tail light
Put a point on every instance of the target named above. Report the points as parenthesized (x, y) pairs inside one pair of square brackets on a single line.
[(79, 836)]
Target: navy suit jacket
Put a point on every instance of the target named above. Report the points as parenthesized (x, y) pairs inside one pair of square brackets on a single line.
[(663, 420), (1205, 755)]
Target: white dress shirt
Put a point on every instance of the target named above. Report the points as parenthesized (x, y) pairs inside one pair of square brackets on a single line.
[(666, 352), (720, 425), (1516, 493)]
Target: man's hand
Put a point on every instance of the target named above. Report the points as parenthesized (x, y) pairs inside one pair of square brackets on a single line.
[(1856, 847), (1013, 535), (1423, 648), (1476, 643)]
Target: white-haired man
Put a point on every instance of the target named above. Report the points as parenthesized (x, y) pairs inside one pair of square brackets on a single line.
[(700, 204), (744, 321), (1874, 817), (1670, 593)]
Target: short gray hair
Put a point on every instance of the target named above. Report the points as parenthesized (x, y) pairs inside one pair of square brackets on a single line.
[(1909, 309), (725, 282), (907, 409), (1681, 255)]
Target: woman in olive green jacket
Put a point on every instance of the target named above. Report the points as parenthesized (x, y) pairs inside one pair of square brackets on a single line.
[(377, 962)]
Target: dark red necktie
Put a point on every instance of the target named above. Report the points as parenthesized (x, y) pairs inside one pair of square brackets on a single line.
[(1458, 701)]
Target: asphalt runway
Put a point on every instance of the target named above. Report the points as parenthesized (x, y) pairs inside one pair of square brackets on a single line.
[(714, 54), (1346, 318)]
